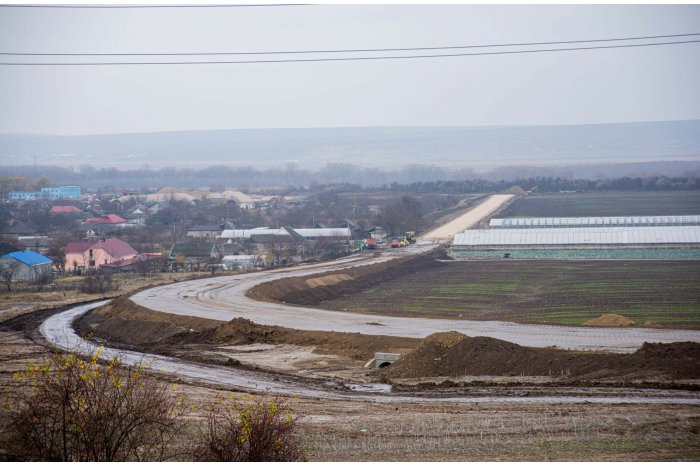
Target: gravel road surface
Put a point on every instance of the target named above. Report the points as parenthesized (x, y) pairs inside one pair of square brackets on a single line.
[(58, 330), (224, 298), (468, 219)]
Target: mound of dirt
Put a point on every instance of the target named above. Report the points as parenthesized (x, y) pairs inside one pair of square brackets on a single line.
[(685, 351), (243, 331), (125, 322), (328, 280), (610, 320), (453, 355)]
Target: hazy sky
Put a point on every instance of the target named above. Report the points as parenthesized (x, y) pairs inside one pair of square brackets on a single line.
[(601, 86)]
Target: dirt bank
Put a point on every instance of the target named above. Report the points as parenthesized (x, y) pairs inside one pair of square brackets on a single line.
[(454, 354), (312, 289), (125, 323), (449, 354), (243, 332)]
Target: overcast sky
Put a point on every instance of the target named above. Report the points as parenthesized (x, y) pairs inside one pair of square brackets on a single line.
[(599, 86)]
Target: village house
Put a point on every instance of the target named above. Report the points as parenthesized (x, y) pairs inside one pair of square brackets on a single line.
[(83, 256), (26, 266), (64, 209), (110, 219), (205, 231), (145, 262), (13, 232), (193, 255)]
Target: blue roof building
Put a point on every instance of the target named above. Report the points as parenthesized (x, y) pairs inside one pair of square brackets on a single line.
[(26, 265), (29, 257)]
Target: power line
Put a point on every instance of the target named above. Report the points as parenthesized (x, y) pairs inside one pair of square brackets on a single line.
[(407, 49), (155, 6), (301, 60)]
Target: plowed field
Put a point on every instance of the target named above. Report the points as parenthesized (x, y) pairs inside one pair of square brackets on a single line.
[(605, 204), (553, 292)]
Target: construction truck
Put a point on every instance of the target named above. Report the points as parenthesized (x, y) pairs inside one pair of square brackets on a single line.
[(411, 236)]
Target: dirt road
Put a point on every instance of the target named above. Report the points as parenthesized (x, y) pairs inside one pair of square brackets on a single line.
[(468, 219), (224, 298), (58, 330)]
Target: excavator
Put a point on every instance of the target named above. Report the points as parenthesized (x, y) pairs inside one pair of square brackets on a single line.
[(404, 240)]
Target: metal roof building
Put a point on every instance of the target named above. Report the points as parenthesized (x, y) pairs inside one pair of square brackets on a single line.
[(580, 237), (306, 233), (579, 222)]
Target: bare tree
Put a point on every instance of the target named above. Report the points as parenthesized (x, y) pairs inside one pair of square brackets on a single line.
[(8, 270)]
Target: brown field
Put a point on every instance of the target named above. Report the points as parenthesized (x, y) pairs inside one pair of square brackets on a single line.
[(605, 204), (551, 292)]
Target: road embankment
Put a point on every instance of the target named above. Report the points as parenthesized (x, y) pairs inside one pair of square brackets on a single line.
[(311, 290)]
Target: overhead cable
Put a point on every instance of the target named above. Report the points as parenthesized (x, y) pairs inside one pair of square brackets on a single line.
[(307, 60), (405, 49)]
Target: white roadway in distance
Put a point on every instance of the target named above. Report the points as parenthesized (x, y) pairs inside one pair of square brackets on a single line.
[(468, 219), (224, 298)]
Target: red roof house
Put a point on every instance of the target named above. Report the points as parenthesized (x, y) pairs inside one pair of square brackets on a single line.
[(95, 255), (64, 209), (109, 219)]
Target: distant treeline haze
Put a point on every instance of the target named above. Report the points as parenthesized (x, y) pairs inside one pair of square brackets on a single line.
[(418, 178)]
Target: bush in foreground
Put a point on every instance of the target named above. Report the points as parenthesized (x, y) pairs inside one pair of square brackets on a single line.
[(80, 410), (262, 431)]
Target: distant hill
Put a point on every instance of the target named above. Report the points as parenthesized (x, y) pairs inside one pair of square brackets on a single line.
[(386, 147)]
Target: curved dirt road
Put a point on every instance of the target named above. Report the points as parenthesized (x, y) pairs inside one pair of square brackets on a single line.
[(224, 298), (58, 330)]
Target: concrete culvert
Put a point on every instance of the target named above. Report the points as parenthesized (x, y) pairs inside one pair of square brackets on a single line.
[(383, 360)]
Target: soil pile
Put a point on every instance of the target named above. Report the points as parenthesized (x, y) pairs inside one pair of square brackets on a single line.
[(122, 321), (328, 280), (313, 289), (453, 354), (126, 323), (243, 331), (609, 320)]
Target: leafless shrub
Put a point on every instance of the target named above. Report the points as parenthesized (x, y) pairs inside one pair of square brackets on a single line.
[(43, 279), (8, 270), (70, 409), (98, 282), (262, 431)]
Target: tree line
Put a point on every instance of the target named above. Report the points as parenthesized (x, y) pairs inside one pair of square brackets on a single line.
[(644, 176)]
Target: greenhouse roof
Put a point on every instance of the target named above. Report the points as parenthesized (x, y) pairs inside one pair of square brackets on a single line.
[(577, 222), (580, 236)]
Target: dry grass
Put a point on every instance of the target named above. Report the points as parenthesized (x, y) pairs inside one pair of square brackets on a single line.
[(357, 431), (513, 433), (25, 298)]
